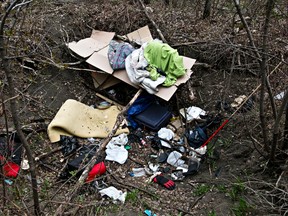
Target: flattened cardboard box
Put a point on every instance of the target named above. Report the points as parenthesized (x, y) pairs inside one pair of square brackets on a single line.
[(95, 50)]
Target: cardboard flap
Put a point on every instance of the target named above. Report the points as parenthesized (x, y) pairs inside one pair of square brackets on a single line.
[(188, 62), (86, 47), (184, 78), (104, 37), (100, 60), (166, 92), (103, 80), (141, 35)]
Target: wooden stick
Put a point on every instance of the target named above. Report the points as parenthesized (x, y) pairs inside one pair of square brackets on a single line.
[(108, 100)]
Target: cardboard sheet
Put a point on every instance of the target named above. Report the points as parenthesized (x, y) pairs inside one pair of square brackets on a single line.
[(77, 119), (95, 49)]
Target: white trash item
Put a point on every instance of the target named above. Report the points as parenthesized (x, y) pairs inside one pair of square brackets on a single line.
[(114, 193), (115, 150), (138, 172), (192, 113), (174, 159), (167, 134)]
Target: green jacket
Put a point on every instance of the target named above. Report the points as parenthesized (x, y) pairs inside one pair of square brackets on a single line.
[(161, 56)]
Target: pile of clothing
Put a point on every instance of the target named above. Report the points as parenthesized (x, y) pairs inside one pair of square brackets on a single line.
[(154, 63)]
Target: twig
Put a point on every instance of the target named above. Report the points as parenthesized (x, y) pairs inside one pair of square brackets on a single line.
[(277, 183), (129, 186), (40, 157)]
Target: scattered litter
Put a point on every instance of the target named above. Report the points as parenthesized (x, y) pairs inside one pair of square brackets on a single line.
[(11, 156), (193, 167), (103, 105), (196, 137), (198, 152), (153, 167), (8, 181), (238, 101), (91, 140), (149, 213), (174, 159), (99, 185), (115, 150), (163, 181), (95, 49), (97, 170), (153, 117), (192, 113), (116, 153), (162, 156), (25, 164), (138, 172), (69, 145), (77, 119), (114, 193), (279, 96), (166, 134), (121, 139)]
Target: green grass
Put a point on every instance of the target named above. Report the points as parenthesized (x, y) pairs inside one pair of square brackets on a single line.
[(201, 189), (236, 190), (132, 197), (211, 213), (241, 208)]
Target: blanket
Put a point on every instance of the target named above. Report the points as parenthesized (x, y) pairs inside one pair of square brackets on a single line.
[(77, 119)]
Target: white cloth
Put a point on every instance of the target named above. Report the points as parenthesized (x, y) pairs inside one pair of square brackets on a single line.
[(115, 150), (174, 159), (166, 134), (135, 64), (114, 193)]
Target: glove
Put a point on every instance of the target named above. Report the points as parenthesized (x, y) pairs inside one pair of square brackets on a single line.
[(169, 184)]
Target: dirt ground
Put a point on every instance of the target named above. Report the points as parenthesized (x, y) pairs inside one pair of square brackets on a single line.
[(234, 178)]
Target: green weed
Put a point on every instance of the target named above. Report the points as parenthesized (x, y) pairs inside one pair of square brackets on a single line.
[(132, 196), (236, 190), (201, 189), (241, 208), (211, 213), (221, 188)]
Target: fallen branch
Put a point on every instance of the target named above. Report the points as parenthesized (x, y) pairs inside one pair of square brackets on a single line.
[(93, 160), (47, 153)]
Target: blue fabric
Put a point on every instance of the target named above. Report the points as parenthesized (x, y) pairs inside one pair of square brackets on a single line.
[(140, 104)]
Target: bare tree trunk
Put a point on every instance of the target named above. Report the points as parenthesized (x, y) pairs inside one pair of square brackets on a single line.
[(277, 126), (11, 89), (263, 64), (3, 185), (7, 147), (285, 134), (263, 68), (207, 9)]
